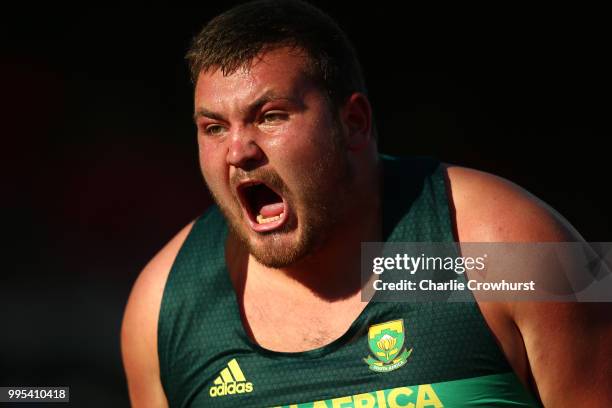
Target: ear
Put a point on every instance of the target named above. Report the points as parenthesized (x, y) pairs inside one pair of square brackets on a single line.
[(356, 116)]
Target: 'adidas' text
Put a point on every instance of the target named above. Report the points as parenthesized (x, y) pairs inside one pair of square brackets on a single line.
[(230, 389), (230, 381)]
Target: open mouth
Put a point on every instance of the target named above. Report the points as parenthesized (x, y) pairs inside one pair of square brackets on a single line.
[(265, 209)]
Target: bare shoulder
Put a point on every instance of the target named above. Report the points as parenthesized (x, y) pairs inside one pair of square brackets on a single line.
[(139, 328), (489, 208), (539, 338)]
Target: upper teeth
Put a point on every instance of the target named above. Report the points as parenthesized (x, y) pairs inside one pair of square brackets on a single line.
[(263, 220)]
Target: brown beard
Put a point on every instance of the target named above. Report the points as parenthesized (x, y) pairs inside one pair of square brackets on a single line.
[(320, 206)]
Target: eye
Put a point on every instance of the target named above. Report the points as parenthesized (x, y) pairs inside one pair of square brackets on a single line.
[(274, 116), (214, 130)]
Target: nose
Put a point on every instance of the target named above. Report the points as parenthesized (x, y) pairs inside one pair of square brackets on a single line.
[(243, 152)]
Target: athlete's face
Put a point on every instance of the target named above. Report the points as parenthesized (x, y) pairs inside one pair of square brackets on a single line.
[(272, 154)]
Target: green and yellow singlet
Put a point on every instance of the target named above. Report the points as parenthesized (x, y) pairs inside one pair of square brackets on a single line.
[(429, 354)]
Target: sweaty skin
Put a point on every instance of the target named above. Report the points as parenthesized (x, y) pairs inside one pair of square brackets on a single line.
[(271, 122)]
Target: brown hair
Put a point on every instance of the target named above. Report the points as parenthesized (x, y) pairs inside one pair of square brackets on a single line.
[(234, 38)]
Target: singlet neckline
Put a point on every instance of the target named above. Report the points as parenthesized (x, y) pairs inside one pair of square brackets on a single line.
[(320, 351), (356, 326)]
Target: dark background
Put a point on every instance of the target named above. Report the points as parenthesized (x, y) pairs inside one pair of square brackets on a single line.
[(99, 158)]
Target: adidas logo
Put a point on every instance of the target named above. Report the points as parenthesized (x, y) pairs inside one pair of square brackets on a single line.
[(230, 381)]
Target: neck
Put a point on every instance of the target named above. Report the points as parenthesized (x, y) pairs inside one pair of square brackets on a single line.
[(332, 272)]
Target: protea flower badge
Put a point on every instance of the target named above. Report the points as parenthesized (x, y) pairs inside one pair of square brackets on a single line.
[(386, 341)]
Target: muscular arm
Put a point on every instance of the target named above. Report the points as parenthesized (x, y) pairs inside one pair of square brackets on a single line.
[(139, 329), (561, 349)]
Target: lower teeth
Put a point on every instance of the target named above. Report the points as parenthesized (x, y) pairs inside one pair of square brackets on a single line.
[(262, 220)]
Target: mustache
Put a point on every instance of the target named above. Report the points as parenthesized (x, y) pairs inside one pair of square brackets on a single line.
[(266, 176)]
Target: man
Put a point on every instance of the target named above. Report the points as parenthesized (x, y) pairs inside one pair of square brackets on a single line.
[(258, 302)]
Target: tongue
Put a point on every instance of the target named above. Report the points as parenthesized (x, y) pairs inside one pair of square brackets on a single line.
[(272, 210)]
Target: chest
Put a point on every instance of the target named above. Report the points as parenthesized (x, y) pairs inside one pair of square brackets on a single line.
[(291, 325)]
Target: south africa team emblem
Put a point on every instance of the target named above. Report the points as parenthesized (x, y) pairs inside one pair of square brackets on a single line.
[(386, 341)]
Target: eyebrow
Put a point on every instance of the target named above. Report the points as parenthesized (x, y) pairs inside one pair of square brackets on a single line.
[(203, 112), (268, 96)]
